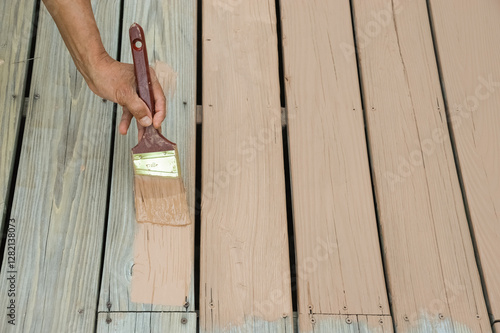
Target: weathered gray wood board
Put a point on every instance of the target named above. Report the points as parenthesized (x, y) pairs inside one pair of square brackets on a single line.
[(336, 241), (60, 198), (348, 323), (432, 275), (170, 28), (146, 322), (16, 27), (468, 45), (245, 274)]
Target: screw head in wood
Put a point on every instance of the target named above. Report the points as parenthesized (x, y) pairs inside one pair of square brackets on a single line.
[(348, 320), (108, 320), (344, 308), (441, 316), (211, 305), (184, 321), (406, 318), (186, 305), (37, 96), (381, 322), (284, 315)]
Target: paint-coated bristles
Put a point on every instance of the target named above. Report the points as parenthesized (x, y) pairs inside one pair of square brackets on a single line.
[(161, 200)]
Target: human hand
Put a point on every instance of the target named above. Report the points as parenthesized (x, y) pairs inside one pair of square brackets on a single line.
[(115, 81)]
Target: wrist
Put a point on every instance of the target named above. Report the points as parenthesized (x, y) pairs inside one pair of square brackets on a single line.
[(93, 68)]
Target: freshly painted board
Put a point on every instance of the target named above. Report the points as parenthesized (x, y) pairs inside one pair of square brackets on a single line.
[(245, 274), (468, 46), (336, 237), (170, 28), (59, 207), (146, 322), (347, 323), (431, 270), (16, 27)]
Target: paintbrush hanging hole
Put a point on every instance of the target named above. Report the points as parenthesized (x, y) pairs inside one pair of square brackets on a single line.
[(137, 44)]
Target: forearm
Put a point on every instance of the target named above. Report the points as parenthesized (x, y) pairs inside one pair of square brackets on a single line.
[(76, 23)]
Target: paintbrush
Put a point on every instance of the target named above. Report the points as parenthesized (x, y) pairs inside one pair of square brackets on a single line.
[(160, 196)]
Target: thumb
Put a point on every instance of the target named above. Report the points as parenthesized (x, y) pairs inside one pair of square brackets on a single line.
[(129, 99)]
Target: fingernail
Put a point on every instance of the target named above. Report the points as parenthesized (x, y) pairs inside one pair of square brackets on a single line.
[(145, 121)]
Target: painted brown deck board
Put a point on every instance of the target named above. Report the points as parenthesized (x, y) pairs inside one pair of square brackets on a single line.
[(429, 256), (16, 27), (336, 235), (468, 45), (60, 198), (146, 322), (245, 274), (170, 31)]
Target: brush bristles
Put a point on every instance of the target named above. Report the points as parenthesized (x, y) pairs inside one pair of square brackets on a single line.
[(161, 200)]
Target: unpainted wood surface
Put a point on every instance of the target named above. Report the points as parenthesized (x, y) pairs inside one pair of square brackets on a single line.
[(245, 274), (346, 323), (170, 29), (496, 328), (468, 45), (146, 322), (16, 27), (60, 198), (430, 266), (336, 237)]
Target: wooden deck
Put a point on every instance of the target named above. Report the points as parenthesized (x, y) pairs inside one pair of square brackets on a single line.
[(342, 162)]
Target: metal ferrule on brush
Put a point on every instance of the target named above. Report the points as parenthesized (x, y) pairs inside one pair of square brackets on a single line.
[(160, 163)]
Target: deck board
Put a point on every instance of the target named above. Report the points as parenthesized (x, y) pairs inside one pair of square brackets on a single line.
[(496, 328), (16, 27), (348, 323), (245, 276), (60, 198), (170, 28), (146, 322), (468, 45), (336, 237), (429, 255)]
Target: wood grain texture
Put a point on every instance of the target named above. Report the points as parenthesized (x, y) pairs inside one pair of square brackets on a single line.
[(345, 323), (336, 235), (60, 199), (468, 46), (245, 275), (170, 28), (146, 322), (496, 328), (16, 27), (432, 274)]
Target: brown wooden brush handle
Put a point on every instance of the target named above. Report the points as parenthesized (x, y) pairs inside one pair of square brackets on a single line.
[(141, 66)]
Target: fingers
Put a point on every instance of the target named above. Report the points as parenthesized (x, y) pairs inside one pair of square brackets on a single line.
[(140, 131), (128, 98), (160, 101), (125, 121)]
